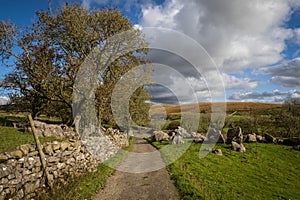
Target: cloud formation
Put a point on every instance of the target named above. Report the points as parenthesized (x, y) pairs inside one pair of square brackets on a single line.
[(236, 34), (274, 96), (286, 74)]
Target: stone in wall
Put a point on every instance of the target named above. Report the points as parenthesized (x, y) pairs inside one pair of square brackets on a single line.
[(21, 173)]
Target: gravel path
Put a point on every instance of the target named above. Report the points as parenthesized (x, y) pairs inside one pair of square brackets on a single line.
[(141, 185)]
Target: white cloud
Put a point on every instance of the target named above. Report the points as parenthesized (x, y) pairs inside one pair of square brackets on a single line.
[(137, 27), (297, 35), (274, 96), (287, 74), (4, 100), (237, 34)]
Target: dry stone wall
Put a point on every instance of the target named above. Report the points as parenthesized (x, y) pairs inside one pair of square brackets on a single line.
[(21, 173)]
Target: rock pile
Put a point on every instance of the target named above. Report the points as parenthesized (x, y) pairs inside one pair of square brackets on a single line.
[(117, 137)]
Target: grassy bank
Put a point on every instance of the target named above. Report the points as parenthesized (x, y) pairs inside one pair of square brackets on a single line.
[(265, 171), (84, 187)]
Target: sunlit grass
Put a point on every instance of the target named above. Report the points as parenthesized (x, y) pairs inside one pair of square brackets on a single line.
[(265, 171)]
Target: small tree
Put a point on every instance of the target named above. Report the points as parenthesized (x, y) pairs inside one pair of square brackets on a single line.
[(48, 55)]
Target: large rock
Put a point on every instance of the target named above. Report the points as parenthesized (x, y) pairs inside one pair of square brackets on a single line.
[(234, 135), (215, 136), (250, 138), (260, 138), (199, 138), (269, 138), (237, 147), (217, 152), (295, 140), (181, 131), (178, 139), (161, 136), (297, 147)]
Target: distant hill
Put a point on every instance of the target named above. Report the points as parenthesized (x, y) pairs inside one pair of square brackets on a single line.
[(206, 107)]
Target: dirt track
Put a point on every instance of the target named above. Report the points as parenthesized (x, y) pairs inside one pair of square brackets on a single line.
[(146, 185)]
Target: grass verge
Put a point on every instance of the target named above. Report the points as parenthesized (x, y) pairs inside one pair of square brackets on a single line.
[(86, 186), (265, 171)]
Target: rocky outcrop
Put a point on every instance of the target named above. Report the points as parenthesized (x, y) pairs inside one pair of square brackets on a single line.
[(21, 173), (234, 134)]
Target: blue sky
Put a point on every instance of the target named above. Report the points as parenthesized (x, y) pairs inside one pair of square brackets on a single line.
[(255, 44)]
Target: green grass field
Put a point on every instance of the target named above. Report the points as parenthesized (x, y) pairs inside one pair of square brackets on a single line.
[(265, 171)]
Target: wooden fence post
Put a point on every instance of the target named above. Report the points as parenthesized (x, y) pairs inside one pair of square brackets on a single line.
[(41, 153)]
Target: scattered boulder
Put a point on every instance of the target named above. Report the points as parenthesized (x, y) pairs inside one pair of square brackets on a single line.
[(250, 138), (234, 135), (184, 133), (161, 136), (214, 151), (217, 152), (237, 147), (199, 138), (260, 138), (178, 139), (296, 147), (295, 140), (215, 135), (269, 138)]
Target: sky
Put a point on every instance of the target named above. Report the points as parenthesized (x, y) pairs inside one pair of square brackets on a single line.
[(253, 46)]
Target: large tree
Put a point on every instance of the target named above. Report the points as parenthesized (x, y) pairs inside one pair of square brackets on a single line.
[(48, 55)]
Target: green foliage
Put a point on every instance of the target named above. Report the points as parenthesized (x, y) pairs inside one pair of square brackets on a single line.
[(265, 171), (138, 109), (51, 52)]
